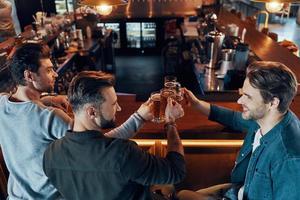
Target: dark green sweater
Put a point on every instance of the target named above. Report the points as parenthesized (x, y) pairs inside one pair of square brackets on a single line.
[(88, 165)]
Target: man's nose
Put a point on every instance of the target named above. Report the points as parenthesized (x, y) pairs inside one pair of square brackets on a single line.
[(118, 107), (55, 75), (240, 100)]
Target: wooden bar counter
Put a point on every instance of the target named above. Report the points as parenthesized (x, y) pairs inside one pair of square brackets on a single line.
[(189, 126), (263, 46), (192, 126)]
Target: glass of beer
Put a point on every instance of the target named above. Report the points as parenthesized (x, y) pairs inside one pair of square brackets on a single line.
[(170, 82), (165, 93), (155, 98), (160, 100), (178, 93)]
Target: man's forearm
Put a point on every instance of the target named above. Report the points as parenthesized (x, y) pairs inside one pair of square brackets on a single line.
[(128, 129), (203, 107), (174, 141)]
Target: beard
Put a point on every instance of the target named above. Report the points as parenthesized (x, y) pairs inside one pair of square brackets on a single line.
[(42, 89), (44, 86), (107, 124), (254, 114)]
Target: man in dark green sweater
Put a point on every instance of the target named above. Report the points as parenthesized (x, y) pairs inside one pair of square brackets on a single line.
[(87, 165)]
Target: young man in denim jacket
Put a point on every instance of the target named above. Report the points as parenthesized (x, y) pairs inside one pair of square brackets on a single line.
[(268, 165)]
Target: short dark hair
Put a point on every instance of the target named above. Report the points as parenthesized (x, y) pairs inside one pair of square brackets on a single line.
[(26, 57), (273, 79), (84, 88)]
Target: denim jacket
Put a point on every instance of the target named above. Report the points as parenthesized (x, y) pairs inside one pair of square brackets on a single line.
[(272, 171)]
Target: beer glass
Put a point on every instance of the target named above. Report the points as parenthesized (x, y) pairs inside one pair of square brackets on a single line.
[(176, 88), (155, 98), (170, 82), (165, 93), (178, 93), (160, 100)]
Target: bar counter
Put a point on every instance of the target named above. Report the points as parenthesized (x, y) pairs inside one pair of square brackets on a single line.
[(192, 126), (263, 46)]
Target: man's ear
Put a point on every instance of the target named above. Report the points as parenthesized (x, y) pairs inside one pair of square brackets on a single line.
[(275, 102), (28, 76), (91, 112)]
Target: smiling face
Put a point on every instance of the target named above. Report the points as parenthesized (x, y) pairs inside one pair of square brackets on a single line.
[(252, 102), (44, 79)]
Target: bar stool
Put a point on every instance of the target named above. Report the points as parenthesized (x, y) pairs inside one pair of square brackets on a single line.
[(285, 11)]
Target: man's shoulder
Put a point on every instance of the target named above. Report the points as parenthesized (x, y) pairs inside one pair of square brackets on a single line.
[(50, 113), (39, 105), (290, 135), (113, 143), (3, 95), (24, 106), (127, 147), (125, 143)]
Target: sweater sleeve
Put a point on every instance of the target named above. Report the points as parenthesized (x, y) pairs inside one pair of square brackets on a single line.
[(57, 124), (230, 118), (146, 169), (128, 129)]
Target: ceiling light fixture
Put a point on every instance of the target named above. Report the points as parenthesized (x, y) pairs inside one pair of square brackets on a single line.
[(273, 6), (103, 7)]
